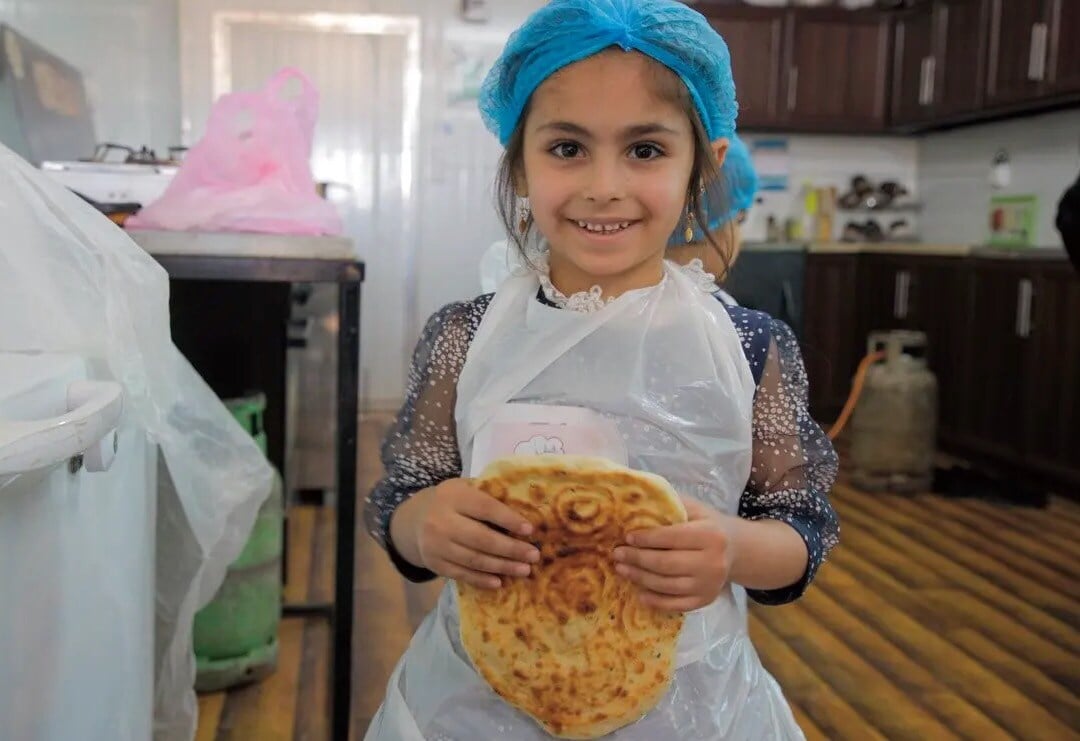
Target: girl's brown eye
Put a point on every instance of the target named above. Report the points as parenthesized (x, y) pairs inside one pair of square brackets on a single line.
[(646, 151), (566, 150)]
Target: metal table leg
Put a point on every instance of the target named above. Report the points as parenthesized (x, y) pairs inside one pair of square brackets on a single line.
[(348, 382)]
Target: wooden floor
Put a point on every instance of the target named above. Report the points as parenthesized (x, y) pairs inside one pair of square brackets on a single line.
[(935, 619)]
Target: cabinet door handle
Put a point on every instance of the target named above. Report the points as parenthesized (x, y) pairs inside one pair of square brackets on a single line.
[(1024, 294), (905, 294), (1043, 32), (922, 81), (931, 71), (1037, 54), (897, 295), (793, 88)]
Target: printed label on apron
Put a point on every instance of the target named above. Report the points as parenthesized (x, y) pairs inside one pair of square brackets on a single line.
[(544, 429)]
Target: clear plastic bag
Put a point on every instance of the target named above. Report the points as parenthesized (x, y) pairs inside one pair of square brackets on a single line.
[(251, 171), (72, 282)]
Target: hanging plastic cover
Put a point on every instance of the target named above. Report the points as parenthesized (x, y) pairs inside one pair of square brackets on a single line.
[(72, 282), (251, 171)]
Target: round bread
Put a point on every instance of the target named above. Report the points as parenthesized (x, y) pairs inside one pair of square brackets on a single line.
[(572, 645)]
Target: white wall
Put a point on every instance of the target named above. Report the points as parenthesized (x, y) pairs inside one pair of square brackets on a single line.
[(127, 51), (954, 169)]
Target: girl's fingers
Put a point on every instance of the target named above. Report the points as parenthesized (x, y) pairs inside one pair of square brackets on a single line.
[(667, 563), (479, 537), (474, 578), (472, 560), (486, 508), (677, 586), (688, 536)]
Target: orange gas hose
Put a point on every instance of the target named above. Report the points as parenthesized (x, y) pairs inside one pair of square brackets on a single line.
[(856, 392)]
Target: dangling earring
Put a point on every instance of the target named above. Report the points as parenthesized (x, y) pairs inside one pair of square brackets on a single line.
[(524, 212), (689, 233)]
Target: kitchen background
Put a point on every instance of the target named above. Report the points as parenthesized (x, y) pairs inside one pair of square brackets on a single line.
[(422, 218)]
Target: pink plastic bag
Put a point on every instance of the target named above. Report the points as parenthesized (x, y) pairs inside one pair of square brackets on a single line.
[(251, 171)]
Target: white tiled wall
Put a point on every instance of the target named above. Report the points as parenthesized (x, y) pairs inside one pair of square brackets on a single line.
[(954, 169), (823, 161), (127, 51)]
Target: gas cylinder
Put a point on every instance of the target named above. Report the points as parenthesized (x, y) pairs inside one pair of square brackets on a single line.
[(894, 425)]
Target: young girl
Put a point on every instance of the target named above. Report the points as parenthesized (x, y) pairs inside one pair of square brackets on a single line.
[(615, 114)]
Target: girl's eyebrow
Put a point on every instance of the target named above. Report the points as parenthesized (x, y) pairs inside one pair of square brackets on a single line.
[(630, 132)]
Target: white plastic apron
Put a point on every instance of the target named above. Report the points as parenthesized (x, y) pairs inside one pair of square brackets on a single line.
[(665, 365)]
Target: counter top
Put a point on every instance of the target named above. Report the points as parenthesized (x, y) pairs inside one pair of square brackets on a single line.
[(774, 247), (244, 245), (891, 248), (914, 249), (1034, 253)]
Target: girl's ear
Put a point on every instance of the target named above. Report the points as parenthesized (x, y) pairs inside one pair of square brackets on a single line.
[(720, 150)]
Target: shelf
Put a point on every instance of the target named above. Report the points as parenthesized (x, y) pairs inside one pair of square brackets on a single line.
[(907, 208)]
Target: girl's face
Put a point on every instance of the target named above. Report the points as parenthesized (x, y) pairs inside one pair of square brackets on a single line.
[(606, 165)]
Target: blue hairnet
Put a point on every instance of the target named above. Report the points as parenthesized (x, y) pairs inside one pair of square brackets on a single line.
[(733, 191), (567, 31)]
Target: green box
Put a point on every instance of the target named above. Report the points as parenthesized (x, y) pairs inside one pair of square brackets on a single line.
[(1013, 220)]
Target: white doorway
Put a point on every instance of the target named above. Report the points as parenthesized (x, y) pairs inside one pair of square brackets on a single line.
[(367, 70)]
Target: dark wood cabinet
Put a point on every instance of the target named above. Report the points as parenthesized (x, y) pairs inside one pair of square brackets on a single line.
[(881, 285), (992, 418), (939, 66), (754, 37), (815, 70), (830, 344), (1021, 386), (1017, 33), (1052, 424), (914, 58), (958, 80), (940, 63), (1063, 48), (938, 302), (835, 72)]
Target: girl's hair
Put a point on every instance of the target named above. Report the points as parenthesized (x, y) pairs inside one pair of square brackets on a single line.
[(668, 87)]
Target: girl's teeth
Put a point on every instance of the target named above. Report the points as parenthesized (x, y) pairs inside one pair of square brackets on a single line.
[(603, 228)]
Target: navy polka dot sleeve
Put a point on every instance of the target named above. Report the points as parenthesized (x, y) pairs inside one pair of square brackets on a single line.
[(794, 465)]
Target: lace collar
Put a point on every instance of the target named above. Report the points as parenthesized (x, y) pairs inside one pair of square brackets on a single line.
[(586, 302)]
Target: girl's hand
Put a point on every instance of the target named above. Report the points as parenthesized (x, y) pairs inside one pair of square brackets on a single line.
[(681, 567), (451, 529)]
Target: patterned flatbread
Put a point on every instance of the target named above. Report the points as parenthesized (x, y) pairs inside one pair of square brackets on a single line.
[(572, 645)]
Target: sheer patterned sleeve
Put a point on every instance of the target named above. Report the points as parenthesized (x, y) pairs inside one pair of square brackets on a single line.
[(420, 449), (794, 465)]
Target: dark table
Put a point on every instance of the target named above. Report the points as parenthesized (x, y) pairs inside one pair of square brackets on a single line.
[(276, 273)]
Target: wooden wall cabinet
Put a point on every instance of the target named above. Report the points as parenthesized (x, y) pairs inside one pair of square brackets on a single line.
[(940, 63)]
